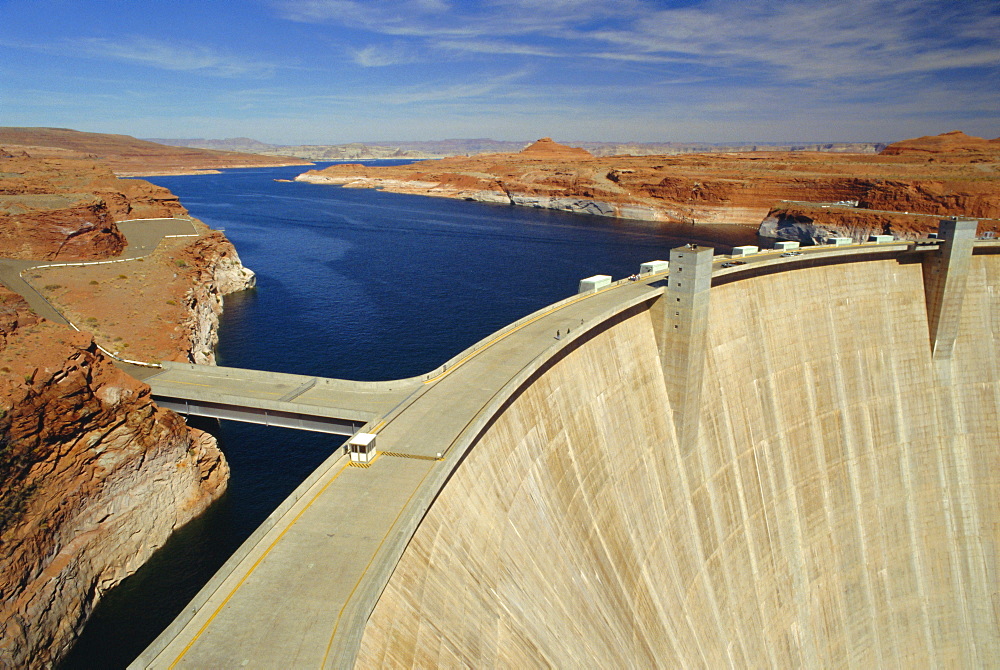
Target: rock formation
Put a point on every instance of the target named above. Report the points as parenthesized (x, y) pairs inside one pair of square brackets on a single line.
[(95, 478), (65, 209), (955, 142), (547, 149), (217, 272), (741, 188), (471, 147)]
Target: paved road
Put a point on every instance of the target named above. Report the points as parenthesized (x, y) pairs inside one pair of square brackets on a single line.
[(297, 588), (142, 236), (276, 398), (300, 589)]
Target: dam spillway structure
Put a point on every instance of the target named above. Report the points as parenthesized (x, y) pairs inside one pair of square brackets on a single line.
[(789, 462)]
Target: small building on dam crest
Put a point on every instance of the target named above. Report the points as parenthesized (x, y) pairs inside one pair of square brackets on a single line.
[(792, 461)]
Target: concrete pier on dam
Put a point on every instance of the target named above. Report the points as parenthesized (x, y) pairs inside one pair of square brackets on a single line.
[(789, 462)]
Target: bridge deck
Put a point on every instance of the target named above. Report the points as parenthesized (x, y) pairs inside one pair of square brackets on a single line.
[(277, 399), (300, 589), (304, 582)]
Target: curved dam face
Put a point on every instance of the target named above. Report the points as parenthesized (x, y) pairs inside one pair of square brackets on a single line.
[(837, 504)]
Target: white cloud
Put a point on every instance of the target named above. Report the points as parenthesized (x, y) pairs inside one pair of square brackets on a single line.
[(173, 56), (807, 39), (379, 56), (496, 47), (159, 54)]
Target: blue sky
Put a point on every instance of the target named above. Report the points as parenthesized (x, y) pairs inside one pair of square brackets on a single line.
[(332, 71)]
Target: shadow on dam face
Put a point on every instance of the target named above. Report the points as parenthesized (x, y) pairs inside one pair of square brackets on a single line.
[(838, 505)]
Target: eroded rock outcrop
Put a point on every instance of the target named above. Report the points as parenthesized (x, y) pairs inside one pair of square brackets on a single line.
[(814, 224), (66, 209), (218, 272), (740, 188), (95, 478)]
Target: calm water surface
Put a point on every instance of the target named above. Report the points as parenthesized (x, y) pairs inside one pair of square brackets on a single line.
[(354, 284)]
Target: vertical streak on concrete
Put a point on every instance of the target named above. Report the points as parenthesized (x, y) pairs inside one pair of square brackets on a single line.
[(685, 337), (945, 276)]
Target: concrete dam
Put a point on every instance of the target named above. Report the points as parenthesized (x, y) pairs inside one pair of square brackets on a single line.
[(794, 462)]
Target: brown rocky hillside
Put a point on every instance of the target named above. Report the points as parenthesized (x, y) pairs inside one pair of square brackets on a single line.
[(129, 156), (941, 179)]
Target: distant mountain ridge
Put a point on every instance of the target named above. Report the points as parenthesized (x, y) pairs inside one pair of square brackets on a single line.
[(127, 155), (472, 147)]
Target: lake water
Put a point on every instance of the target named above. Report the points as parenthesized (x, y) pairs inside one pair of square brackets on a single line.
[(354, 284)]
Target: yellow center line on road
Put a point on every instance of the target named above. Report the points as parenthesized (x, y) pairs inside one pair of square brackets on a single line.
[(257, 563), (336, 625), (553, 310)]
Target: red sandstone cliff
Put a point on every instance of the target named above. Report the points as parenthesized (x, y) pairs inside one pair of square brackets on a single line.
[(960, 175), (707, 188), (95, 478), (216, 271), (65, 209)]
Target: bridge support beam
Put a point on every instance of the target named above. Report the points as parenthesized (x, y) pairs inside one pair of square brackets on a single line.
[(945, 275), (685, 336)]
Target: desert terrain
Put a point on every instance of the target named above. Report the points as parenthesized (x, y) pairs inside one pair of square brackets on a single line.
[(471, 147), (131, 157), (94, 477), (787, 194)]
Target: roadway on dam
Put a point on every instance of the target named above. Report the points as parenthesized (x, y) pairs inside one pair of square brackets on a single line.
[(296, 587), (299, 590)]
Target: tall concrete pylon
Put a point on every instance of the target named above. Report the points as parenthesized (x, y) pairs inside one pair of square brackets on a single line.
[(685, 336), (945, 276)]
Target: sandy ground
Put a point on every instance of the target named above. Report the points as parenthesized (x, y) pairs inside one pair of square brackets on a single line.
[(133, 308)]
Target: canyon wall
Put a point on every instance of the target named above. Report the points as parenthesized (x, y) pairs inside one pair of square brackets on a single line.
[(217, 272), (948, 175), (95, 478), (815, 224), (838, 509), (65, 209)]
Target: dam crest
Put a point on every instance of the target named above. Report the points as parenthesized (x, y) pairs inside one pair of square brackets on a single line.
[(787, 462)]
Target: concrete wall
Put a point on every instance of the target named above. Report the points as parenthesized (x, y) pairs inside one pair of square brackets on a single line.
[(839, 508)]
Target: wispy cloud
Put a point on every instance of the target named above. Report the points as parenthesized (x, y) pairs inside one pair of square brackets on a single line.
[(821, 40), (155, 53), (173, 56), (464, 91), (808, 39), (497, 47), (376, 55)]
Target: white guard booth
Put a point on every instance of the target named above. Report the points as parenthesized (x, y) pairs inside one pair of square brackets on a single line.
[(362, 448), (880, 238), (595, 283), (786, 245), (652, 267), (747, 250), (839, 241)]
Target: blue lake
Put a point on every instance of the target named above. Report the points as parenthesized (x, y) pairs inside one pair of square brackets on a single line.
[(354, 284)]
